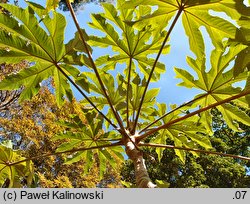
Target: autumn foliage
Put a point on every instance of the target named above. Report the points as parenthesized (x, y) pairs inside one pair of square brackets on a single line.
[(119, 116)]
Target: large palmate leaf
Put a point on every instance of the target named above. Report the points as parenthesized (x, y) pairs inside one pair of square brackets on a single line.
[(117, 90), (126, 41), (195, 14), (86, 132), (242, 61), (187, 134), (14, 173), (37, 36), (218, 85)]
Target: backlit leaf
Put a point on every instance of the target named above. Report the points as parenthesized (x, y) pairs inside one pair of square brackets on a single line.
[(22, 37), (195, 14), (13, 172), (218, 84), (133, 43)]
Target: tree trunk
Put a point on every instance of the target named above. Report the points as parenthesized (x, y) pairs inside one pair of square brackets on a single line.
[(141, 173)]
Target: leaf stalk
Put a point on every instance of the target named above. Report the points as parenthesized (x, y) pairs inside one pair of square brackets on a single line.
[(172, 111), (164, 126), (118, 118), (154, 65), (85, 96)]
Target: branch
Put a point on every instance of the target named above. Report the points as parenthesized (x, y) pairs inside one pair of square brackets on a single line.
[(243, 93), (7, 98), (154, 65), (166, 114), (194, 150), (118, 118), (68, 151)]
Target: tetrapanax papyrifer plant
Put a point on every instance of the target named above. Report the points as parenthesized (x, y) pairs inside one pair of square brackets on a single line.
[(119, 110)]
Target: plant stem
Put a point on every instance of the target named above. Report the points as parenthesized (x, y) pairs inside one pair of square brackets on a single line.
[(128, 89), (118, 118), (166, 114), (85, 96), (68, 151), (193, 150), (154, 65), (243, 93)]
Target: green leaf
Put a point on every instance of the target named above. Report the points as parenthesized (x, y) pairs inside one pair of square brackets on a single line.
[(52, 4), (23, 37), (247, 88), (200, 139), (68, 135), (217, 28), (82, 81), (196, 41), (195, 14), (243, 58), (232, 113), (30, 78), (76, 43), (55, 25), (75, 157), (187, 134), (13, 172), (145, 65), (242, 61), (217, 83), (166, 10), (132, 43), (34, 39), (69, 145), (89, 135), (188, 79), (161, 139)]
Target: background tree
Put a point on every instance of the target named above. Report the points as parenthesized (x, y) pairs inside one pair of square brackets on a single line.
[(80, 3), (205, 170), (119, 110), (31, 127), (8, 98)]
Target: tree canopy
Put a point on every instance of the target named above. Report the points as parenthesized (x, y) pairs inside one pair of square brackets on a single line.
[(31, 127), (119, 114)]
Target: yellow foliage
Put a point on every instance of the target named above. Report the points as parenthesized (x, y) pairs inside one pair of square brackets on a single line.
[(35, 121)]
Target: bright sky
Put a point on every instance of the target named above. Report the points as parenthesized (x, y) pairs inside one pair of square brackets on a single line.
[(170, 93)]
